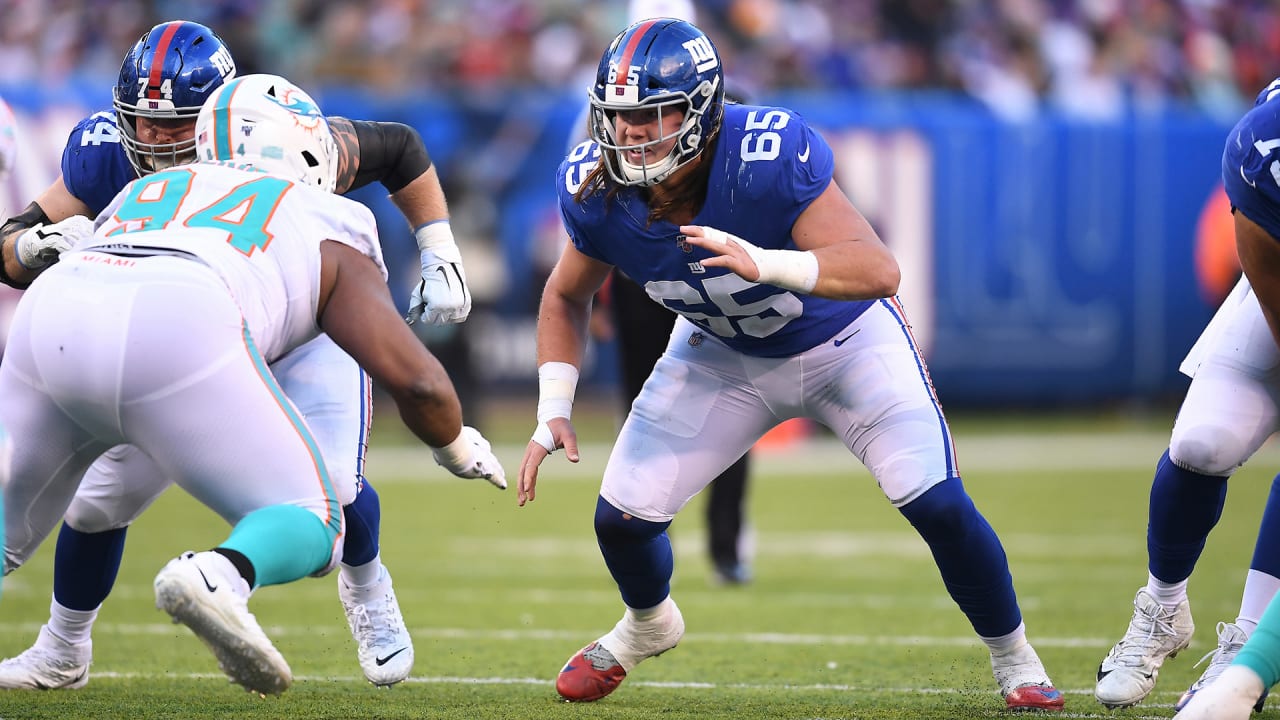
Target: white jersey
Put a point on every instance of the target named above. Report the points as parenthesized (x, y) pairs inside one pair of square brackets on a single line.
[(261, 233)]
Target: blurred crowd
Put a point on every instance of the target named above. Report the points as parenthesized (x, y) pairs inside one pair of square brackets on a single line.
[(1092, 58)]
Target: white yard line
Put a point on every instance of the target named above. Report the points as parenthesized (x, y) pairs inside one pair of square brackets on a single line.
[(1081, 451)]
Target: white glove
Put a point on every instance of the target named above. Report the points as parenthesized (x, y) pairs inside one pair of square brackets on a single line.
[(43, 244), (470, 456), (442, 296)]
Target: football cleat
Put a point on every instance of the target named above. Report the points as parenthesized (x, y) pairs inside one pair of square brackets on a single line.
[(383, 644), (204, 592), (1230, 640), (1023, 682), (50, 664), (589, 675), (599, 668), (1128, 673), (731, 573), (1232, 696)]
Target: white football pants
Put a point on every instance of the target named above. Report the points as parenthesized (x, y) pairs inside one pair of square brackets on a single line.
[(706, 404), (151, 352)]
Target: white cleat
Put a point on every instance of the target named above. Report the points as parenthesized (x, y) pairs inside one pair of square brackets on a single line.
[(204, 592), (1231, 640), (1231, 696), (50, 664), (1128, 673), (383, 644)]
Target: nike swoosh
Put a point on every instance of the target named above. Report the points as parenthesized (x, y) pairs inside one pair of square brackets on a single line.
[(384, 660), (804, 156), (845, 339), (211, 588), (41, 686), (1242, 177)]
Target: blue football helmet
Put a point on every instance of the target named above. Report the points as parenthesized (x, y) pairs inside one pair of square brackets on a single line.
[(660, 66), (168, 75)]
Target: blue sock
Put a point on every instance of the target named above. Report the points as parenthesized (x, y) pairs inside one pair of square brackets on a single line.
[(85, 566), (364, 518), (638, 554), (1184, 507), (969, 556), (1266, 553)]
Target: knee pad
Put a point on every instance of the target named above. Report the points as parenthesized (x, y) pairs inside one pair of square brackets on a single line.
[(1208, 448)]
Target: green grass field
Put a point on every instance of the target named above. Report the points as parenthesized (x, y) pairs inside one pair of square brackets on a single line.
[(847, 617)]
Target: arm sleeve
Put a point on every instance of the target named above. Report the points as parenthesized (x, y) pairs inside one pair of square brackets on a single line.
[(390, 153)]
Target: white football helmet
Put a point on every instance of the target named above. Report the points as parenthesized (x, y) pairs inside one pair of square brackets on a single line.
[(267, 123)]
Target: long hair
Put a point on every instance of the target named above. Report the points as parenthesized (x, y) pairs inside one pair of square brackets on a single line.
[(686, 195)]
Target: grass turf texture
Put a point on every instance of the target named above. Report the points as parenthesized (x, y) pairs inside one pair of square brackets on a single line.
[(847, 617)]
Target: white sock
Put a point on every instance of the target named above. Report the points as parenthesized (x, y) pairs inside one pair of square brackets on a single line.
[(1259, 588), (362, 576), (1009, 642), (1169, 595), (72, 626)]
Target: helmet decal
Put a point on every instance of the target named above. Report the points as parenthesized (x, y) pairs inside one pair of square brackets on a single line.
[(267, 123)]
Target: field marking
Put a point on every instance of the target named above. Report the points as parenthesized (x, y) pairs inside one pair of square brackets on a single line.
[(1054, 450), (571, 636), (669, 685)]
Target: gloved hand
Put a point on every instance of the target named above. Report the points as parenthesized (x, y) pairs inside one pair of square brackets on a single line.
[(442, 296), (42, 244), (470, 456)]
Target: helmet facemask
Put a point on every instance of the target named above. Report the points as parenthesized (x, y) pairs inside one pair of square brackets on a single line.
[(689, 136), (147, 158)]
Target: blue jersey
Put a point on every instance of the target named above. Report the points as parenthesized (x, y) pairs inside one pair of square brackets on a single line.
[(1251, 162), (94, 165), (766, 167)]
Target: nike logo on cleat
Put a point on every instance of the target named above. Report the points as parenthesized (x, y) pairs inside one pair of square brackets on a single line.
[(384, 660), (211, 588)]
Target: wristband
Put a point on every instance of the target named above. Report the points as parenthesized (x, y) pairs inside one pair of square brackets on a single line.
[(455, 454), (787, 269), (557, 383), (432, 235), (542, 435)]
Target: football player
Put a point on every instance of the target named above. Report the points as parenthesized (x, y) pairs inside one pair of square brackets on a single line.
[(729, 215), (163, 81), (197, 278), (1229, 411)]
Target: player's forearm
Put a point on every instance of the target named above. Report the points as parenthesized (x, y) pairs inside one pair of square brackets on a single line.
[(562, 329), (422, 201), (14, 274), (852, 273), (431, 410)]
